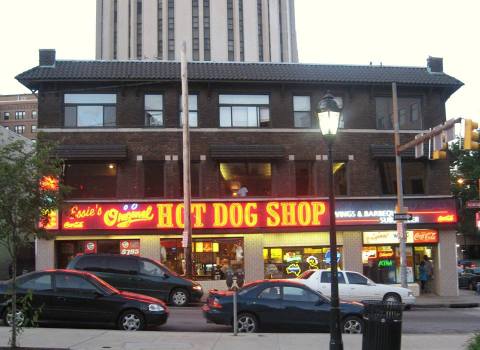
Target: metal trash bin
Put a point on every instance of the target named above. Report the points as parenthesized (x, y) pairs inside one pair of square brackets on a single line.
[(383, 325)]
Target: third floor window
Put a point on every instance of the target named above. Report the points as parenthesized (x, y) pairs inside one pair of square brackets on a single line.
[(247, 111), (409, 113), (20, 115), (302, 112), (90, 110), (6, 115)]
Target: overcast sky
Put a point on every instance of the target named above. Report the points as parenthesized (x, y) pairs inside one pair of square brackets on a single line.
[(399, 33)]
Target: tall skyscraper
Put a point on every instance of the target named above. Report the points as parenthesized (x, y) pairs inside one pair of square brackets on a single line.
[(215, 30)]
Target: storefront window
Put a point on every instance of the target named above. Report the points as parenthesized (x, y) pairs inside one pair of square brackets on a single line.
[(67, 250), (381, 254), (290, 262), (212, 258)]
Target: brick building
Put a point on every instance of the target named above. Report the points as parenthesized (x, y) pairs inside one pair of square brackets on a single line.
[(252, 126), (18, 113)]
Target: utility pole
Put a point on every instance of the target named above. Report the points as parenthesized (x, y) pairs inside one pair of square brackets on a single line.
[(400, 207), (187, 231)]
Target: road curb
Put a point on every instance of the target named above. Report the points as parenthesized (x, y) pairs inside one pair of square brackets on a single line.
[(447, 305)]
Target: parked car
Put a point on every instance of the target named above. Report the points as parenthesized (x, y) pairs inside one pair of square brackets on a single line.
[(355, 286), (468, 280), (473, 270), (279, 304), (467, 263), (65, 296), (140, 275)]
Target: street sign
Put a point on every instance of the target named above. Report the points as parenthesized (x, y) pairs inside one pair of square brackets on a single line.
[(473, 204), (402, 216)]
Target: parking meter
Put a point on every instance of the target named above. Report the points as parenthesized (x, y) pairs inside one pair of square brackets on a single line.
[(229, 279), (240, 279)]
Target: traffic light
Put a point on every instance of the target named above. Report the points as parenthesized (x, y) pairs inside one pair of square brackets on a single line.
[(470, 141), (439, 155)]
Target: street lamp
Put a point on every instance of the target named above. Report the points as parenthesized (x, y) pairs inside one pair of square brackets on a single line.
[(328, 114)]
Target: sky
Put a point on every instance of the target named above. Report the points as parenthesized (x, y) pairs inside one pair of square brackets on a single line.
[(394, 33)]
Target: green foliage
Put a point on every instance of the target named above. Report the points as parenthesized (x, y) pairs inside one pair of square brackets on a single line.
[(465, 166), (30, 315), (474, 343), (22, 203)]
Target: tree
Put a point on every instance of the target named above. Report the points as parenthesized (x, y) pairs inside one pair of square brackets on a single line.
[(464, 175), (30, 191)]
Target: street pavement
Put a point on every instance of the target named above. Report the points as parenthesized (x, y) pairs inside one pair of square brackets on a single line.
[(93, 339), (416, 321)]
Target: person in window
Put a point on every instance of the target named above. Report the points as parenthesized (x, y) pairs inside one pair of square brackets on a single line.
[(242, 191), (429, 272)]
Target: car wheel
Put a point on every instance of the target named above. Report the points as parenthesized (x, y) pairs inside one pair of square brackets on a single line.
[(8, 318), (352, 325), (179, 297), (392, 298), (247, 323), (131, 320)]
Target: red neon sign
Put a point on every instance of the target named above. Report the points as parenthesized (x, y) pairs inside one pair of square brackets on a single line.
[(425, 236), (49, 183), (204, 215)]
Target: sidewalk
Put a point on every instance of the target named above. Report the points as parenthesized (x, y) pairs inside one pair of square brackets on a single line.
[(80, 339), (467, 298)]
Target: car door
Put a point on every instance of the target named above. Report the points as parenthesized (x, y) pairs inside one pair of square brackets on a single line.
[(304, 308), (79, 300), (122, 273), (325, 285), (360, 288), (268, 306), (41, 287), (153, 280)]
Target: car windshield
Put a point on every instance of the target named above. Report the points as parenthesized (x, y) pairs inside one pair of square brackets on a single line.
[(105, 286), (306, 275)]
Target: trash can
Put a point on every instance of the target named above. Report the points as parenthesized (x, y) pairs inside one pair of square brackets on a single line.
[(383, 325)]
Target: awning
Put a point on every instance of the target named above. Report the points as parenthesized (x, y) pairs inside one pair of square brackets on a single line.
[(92, 152), (387, 151), (247, 151)]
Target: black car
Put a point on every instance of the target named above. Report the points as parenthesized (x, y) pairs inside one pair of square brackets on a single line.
[(64, 296), (468, 280), (280, 304), (140, 275)]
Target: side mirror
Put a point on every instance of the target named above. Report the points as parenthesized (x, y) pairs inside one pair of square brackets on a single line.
[(166, 275), (320, 301), (97, 294)]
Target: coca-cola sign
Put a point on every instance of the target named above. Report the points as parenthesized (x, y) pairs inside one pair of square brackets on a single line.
[(425, 236)]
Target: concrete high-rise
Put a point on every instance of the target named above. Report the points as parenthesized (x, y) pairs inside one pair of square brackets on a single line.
[(214, 30)]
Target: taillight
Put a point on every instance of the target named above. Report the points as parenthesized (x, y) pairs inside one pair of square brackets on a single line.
[(214, 303)]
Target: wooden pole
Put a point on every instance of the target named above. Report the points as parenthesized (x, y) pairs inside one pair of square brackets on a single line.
[(400, 207), (187, 231)]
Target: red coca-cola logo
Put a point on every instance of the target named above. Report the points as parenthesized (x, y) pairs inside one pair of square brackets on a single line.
[(425, 236), (90, 247)]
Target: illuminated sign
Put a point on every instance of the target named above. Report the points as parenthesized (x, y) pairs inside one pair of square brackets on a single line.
[(385, 263), (243, 214), (312, 262), (381, 211), (49, 220), (327, 259), (294, 269), (49, 183), (90, 247), (391, 237), (477, 219), (206, 215)]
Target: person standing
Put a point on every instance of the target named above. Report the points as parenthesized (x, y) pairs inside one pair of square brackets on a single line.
[(422, 276), (429, 272)]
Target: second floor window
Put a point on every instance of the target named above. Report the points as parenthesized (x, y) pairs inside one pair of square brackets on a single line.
[(91, 179), (409, 113), (246, 179), (153, 178), (34, 114), (247, 111), (34, 128), (6, 115), (303, 178), (340, 178), (413, 174), (90, 110), (302, 112), (153, 110), (192, 111), (20, 115)]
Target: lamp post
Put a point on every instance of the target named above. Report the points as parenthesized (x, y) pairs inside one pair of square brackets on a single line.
[(328, 114)]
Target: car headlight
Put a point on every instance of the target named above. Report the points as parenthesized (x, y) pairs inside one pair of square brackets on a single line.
[(155, 307), (410, 294), (197, 287)]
